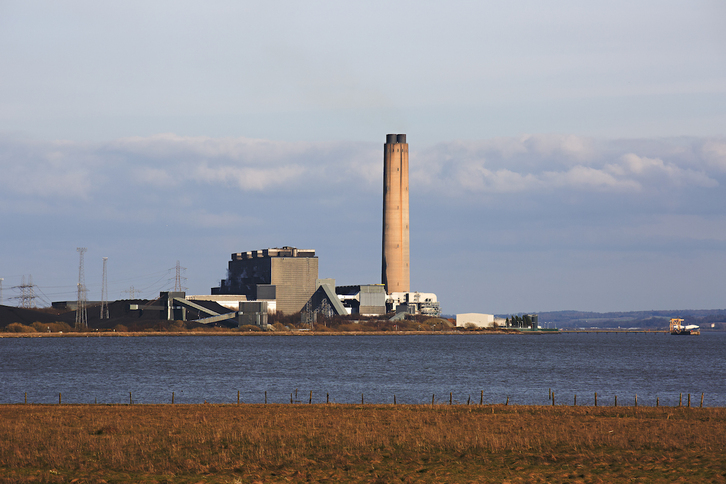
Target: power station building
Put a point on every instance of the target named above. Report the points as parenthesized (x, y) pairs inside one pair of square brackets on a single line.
[(284, 277), (287, 278)]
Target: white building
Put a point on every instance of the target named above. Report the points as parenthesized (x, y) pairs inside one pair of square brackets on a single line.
[(414, 303), (478, 320)]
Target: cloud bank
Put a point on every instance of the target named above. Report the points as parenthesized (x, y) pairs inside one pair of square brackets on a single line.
[(544, 164)]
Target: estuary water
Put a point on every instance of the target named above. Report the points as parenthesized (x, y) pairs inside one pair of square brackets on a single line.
[(521, 368)]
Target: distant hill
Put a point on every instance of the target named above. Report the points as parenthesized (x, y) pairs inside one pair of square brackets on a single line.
[(634, 319)]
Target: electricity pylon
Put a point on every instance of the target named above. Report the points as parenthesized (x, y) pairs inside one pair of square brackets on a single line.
[(178, 280), (81, 313), (27, 295)]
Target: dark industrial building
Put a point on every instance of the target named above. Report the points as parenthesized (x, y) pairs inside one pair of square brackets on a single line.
[(284, 276), (530, 321)]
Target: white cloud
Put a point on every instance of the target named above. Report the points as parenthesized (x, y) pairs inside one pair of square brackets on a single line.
[(584, 178), (553, 162), (47, 170), (714, 152), (545, 164), (564, 147), (247, 178), (170, 145), (657, 169)]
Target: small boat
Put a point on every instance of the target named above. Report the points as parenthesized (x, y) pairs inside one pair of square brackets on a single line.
[(677, 328)]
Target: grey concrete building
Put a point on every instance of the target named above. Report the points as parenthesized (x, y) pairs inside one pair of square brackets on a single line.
[(286, 275), (365, 299)]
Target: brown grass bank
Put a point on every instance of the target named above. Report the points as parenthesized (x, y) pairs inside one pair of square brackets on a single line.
[(360, 443)]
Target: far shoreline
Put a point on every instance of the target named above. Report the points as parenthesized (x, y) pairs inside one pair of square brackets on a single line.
[(138, 334)]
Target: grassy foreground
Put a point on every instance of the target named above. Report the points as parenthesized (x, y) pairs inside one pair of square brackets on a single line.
[(360, 443)]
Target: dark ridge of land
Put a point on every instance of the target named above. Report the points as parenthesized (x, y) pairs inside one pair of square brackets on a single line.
[(705, 318), (360, 443)]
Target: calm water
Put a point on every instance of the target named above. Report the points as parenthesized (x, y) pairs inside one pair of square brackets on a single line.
[(215, 368)]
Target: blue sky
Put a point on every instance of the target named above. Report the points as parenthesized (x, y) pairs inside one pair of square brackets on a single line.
[(564, 155)]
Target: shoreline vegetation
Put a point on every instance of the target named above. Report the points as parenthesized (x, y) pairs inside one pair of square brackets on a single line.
[(359, 443), (282, 325), (227, 332)]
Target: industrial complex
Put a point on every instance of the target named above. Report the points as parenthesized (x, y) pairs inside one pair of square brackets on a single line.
[(285, 280)]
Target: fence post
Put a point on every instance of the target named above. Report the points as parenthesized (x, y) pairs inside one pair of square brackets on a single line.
[(311, 397), (552, 395), (507, 402), (680, 399), (701, 400), (616, 400), (26, 398), (131, 401), (394, 398), (265, 397), (432, 399), (59, 398), (575, 403), (451, 397), (689, 400), (596, 399), (657, 401), (327, 398), (172, 398), (636, 399), (361, 399), (481, 398), (237, 397)]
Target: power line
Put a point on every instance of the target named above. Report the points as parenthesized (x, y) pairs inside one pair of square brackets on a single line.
[(44, 297)]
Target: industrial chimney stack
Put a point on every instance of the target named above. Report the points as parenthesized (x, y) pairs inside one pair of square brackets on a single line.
[(396, 274)]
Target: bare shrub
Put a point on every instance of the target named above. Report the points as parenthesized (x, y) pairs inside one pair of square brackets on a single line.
[(59, 326), (177, 326), (19, 328)]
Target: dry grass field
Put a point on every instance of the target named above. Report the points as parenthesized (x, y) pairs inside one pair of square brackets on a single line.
[(359, 443)]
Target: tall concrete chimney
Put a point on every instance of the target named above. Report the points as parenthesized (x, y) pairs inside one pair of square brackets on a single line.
[(396, 273)]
